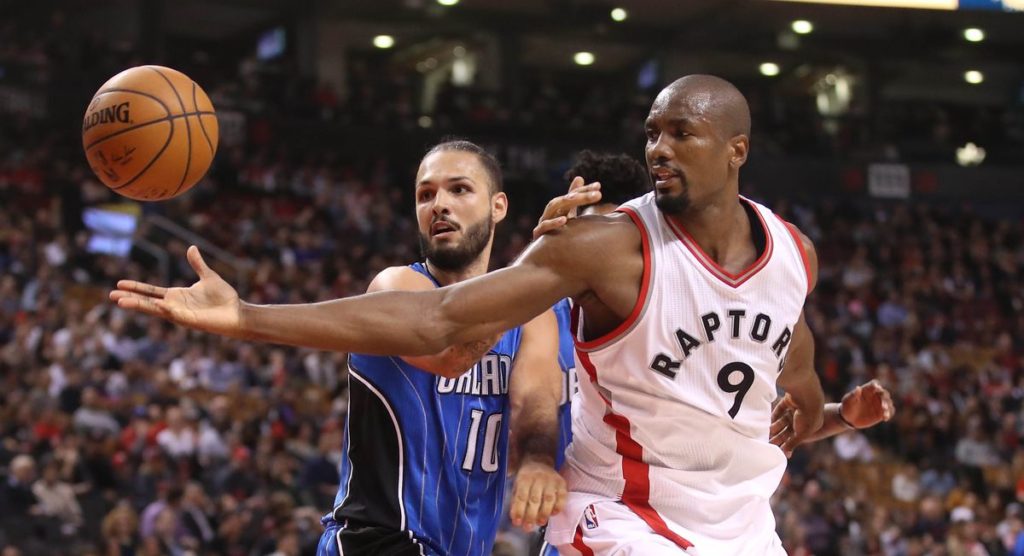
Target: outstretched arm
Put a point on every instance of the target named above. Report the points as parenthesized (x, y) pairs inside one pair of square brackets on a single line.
[(453, 361), (559, 265)]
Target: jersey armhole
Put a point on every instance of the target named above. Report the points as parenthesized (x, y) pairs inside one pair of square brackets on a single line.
[(641, 298), (803, 252)]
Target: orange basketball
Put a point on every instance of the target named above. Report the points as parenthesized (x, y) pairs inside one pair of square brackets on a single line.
[(150, 133)]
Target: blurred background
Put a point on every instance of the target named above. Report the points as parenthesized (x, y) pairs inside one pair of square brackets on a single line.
[(893, 137)]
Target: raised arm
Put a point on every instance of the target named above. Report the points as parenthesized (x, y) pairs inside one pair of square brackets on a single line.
[(559, 265), (454, 360)]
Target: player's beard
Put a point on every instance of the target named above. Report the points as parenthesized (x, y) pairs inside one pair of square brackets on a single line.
[(458, 256), (673, 205)]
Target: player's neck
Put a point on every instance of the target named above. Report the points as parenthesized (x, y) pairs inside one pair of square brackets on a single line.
[(721, 229), (476, 268)]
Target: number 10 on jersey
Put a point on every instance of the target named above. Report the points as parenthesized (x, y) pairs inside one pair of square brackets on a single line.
[(489, 450)]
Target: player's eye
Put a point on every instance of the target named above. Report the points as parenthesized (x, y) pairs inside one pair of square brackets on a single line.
[(425, 196), (652, 134)]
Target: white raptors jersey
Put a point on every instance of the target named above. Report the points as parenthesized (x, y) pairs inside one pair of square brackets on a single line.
[(675, 404)]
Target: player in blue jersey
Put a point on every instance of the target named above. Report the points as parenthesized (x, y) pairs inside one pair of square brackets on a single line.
[(427, 441)]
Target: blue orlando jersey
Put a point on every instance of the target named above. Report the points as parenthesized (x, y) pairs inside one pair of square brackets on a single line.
[(570, 382), (426, 455)]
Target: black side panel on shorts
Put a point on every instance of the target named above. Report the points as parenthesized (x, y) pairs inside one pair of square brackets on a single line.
[(377, 541), (374, 449)]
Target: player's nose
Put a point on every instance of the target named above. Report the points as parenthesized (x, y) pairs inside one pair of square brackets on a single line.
[(442, 203), (659, 150)]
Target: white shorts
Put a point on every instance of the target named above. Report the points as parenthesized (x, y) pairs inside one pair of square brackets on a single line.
[(609, 528)]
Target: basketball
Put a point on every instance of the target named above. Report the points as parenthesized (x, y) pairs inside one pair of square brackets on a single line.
[(150, 133)]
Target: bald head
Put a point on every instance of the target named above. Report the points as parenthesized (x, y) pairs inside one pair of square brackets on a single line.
[(710, 98)]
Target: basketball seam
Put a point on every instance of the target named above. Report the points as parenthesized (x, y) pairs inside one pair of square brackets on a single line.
[(144, 124), (188, 130), (200, 120), (150, 164)]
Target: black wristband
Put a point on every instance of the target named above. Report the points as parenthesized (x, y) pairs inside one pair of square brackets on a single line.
[(843, 419)]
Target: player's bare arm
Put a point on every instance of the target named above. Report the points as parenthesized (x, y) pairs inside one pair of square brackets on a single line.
[(861, 408), (594, 258), (534, 391), (451, 362), (799, 378)]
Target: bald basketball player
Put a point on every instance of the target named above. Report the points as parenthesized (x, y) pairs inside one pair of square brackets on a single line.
[(690, 314)]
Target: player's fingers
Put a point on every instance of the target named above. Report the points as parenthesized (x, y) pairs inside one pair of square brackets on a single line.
[(141, 287), (536, 498), (143, 304), (547, 504), (548, 225), (520, 495), (576, 183), (195, 259), (888, 407), (781, 437), (790, 444), (778, 425)]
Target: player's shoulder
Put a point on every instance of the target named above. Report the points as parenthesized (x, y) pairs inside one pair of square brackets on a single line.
[(403, 278), (806, 244), (616, 226)]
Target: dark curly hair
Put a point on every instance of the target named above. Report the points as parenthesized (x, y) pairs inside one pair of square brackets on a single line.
[(622, 177)]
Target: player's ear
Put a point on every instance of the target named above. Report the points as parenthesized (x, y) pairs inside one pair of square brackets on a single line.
[(740, 146), (499, 206)]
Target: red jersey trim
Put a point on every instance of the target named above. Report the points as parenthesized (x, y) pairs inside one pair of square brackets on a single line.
[(730, 279), (578, 544), (641, 298), (803, 252), (636, 494)]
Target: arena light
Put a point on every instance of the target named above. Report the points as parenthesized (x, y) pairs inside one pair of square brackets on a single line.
[(619, 14), (973, 34), (447, 2), (583, 58), (769, 69), (970, 155), (974, 77), (383, 41), (802, 26)]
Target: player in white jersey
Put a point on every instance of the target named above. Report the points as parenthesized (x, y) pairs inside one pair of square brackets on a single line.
[(691, 315)]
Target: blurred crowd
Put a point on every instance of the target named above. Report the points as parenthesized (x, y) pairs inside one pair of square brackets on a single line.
[(122, 435)]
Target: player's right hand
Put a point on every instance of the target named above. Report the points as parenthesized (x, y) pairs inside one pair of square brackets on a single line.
[(561, 209), (539, 493), (210, 305)]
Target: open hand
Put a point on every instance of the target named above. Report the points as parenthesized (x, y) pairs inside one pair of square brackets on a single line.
[(210, 305), (561, 209)]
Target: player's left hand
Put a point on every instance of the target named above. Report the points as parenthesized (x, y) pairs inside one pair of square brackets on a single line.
[(563, 208), (867, 405), (790, 426), (539, 493)]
